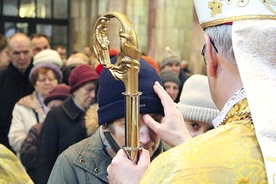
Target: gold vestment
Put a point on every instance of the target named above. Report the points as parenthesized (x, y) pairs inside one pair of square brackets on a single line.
[(229, 153)]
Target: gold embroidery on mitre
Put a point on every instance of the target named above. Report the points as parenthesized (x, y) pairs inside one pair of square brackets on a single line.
[(235, 18), (269, 4), (215, 6), (240, 3)]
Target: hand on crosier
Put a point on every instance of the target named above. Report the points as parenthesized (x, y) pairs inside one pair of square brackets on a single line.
[(122, 170)]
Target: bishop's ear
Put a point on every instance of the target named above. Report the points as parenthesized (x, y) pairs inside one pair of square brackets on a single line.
[(211, 57)]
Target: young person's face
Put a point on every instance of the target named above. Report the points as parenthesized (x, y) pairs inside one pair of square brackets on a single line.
[(172, 89), (148, 139), (197, 128)]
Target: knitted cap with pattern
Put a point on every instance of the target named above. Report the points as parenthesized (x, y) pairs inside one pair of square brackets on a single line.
[(169, 57), (48, 56), (196, 103)]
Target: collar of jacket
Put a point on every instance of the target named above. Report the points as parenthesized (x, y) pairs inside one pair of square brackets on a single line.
[(92, 158), (71, 109), (15, 71), (31, 101)]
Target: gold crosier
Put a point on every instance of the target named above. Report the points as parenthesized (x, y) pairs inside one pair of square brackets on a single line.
[(126, 69)]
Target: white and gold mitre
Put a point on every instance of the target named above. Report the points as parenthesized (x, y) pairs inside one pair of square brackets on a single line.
[(215, 12)]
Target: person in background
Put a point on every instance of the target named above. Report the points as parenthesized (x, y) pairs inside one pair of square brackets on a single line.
[(65, 124), (77, 59), (184, 66), (171, 83), (171, 61), (14, 81), (197, 106), (88, 159), (4, 57), (63, 54), (72, 62), (30, 110), (28, 150), (87, 51), (39, 42), (12, 171)]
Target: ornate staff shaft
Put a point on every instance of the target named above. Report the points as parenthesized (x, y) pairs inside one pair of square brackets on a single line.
[(125, 69)]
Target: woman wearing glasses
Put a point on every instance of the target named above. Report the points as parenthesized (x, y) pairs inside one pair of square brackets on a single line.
[(31, 109)]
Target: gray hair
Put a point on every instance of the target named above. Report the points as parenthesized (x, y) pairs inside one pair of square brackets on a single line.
[(222, 38)]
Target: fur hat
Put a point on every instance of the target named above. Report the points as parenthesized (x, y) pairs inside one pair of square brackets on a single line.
[(169, 57), (81, 75), (169, 76), (48, 56), (195, 102), (60, 92), (48, 65), (91, 119), (112, 102)]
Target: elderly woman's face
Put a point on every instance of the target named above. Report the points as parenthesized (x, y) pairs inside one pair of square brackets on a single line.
[(45, 82), (86, 94)]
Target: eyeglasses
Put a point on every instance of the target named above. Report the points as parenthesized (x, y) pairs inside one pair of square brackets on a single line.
[(203, 51), (44, 79)]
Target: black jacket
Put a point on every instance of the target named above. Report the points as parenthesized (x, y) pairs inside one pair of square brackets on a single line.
[(13, 86), (63, 126), (183, 77), (28, 151)]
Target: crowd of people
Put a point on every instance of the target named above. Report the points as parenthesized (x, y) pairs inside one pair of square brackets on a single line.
[(62, 118)]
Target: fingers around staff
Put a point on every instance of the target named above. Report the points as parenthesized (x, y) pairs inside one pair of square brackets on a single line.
[(122, 170), (144, 158)]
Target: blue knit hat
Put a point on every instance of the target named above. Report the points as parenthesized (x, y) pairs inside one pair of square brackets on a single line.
[(112, 102)]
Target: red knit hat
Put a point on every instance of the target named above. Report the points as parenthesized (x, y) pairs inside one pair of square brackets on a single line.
[(81, 75), (60, 92)]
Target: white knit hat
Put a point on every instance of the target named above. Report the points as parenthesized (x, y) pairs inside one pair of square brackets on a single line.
[(196, 103), (48, 55)]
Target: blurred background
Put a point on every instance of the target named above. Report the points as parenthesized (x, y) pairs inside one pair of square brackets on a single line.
[(158, 24)]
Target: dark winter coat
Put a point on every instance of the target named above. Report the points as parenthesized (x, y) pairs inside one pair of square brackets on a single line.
[(63, 126), (28, 151), (13, 86)]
